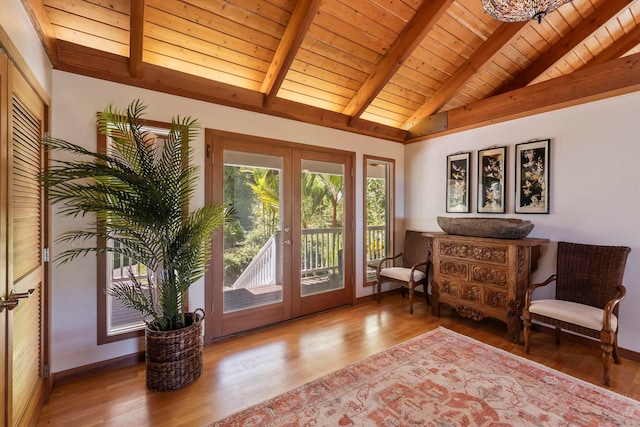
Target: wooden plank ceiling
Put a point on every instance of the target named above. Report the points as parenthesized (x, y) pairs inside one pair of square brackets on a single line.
[(402, 70)]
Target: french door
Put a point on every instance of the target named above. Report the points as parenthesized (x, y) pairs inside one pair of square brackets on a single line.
[(288, 251)]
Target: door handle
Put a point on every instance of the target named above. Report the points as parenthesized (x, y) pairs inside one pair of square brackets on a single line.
[(9, 304), (14, 296), (286, 242), (14, 299)]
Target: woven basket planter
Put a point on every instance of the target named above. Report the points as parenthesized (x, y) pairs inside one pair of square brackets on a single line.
[(174, 358)]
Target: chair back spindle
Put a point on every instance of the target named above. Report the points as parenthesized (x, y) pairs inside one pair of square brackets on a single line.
[(416, 249), (590, 274)]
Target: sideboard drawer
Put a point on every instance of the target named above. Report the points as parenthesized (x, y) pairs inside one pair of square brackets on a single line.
[(459, 270), (495, 254), (490, 275)]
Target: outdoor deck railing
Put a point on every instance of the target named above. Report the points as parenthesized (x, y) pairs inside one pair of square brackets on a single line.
[(376, 243), (321, 253), (261, 271)]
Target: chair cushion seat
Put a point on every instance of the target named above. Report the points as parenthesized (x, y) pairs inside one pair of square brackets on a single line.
[(572, 312), (402, 273)]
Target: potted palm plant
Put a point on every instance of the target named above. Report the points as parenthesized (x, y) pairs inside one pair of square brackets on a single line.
[(139, 191)]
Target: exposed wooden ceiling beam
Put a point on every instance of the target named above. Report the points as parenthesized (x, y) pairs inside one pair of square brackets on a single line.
[(321, 117), (136, 37), (494, 44), (44, 29), (95, 63), (106, 66), (413, 34), (301, 18), (612, 78), (585, 28), (619, 48)]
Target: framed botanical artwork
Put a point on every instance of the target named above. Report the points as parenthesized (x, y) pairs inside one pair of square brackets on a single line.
[(491, 181), (458, 171), (532, 176)]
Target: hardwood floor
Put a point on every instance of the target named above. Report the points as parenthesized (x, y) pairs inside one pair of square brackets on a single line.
[(251, 368)]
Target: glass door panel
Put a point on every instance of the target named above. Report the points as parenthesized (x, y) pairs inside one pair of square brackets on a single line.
[(321, 222), (322, 231), (252, 244)]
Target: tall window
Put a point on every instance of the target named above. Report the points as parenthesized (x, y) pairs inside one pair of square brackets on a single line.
[(378, 212), (116, 322)]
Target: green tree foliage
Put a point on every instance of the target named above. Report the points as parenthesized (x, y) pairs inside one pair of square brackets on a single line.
[(266, 186), (314, 202), (321, 207), (376, 201), (333, 191)]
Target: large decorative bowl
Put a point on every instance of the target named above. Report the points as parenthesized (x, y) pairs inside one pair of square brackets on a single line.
[(497, 228)]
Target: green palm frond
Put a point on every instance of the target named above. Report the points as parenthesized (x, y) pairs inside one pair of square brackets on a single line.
[(134, 295), (139, 191)]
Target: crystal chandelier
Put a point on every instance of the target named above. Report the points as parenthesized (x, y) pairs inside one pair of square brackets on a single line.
[(521, 10)]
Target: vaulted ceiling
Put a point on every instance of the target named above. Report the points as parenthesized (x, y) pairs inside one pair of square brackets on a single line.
[(402, 70)]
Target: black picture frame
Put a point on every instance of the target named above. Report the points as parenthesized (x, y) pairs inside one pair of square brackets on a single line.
[(458, 173), (491, 180), (532, 177)]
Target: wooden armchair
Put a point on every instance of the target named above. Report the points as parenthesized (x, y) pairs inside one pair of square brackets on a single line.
[(588, 292), (414, 268)]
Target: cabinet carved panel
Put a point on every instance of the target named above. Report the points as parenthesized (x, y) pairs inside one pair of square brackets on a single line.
[(449, 287), (454, 269), (496, 255), (523, 269), (469, 312), (470, 293), (489, 275), (481, 277), (496, 299), (454, 250)]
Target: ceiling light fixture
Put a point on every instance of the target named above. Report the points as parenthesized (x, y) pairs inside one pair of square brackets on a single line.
[(521, 10)]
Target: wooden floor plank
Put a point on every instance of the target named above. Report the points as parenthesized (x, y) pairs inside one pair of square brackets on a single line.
[(248, 369)]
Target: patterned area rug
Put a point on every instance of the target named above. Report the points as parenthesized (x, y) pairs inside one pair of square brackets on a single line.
[(443, 378)]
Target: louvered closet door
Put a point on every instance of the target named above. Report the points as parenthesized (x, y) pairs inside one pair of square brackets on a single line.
[(25, 340)]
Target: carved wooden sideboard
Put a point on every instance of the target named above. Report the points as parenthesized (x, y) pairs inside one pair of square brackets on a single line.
[(482, 277)]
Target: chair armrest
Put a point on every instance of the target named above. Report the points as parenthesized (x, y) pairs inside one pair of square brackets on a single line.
[(532, 287), (415, 266), (383, 260), (611, 305)]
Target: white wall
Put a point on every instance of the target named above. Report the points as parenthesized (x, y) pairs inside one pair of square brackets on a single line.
[(595, 152), (76, 100), (15, 22)]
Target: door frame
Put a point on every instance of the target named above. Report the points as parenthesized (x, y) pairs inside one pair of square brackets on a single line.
[(214, 140)]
